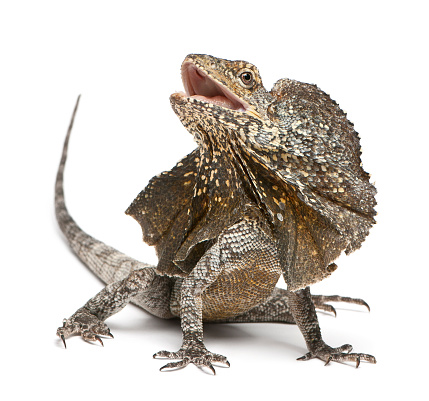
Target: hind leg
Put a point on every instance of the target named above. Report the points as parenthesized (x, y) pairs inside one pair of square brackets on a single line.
[(276, 308), (299, 308), (141, 287)]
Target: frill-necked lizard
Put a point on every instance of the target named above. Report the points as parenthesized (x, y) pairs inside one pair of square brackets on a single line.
[(275, 186)]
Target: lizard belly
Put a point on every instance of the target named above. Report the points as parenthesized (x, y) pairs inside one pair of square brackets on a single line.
[(241, 286)]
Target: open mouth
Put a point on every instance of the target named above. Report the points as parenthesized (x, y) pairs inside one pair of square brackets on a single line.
[(199, 85)]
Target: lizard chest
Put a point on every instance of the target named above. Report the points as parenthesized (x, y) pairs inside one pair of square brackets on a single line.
[(241, 286)]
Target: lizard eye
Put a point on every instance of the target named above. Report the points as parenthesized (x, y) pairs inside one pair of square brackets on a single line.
[(247, 79)]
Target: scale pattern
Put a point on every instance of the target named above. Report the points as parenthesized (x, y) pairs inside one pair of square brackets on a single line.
[(275, 187)]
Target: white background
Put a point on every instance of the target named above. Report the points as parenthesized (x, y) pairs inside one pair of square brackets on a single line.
[(124, 58)]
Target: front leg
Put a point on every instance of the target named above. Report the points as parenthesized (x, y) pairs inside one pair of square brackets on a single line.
[(88, 321), (304, 313), (193, 349)]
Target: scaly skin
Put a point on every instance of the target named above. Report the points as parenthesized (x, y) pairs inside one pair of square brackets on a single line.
[(275, 187)]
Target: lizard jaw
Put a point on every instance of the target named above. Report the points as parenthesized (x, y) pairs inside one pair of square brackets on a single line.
[(198, 85)]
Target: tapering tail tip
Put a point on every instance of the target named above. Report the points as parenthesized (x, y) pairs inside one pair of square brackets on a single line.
[(70, 127), (60, 207)]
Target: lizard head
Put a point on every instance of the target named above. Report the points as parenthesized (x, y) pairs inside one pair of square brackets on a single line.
[(217, 87)]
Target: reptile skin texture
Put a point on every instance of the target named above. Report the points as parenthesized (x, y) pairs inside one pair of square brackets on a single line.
[(275, 187)]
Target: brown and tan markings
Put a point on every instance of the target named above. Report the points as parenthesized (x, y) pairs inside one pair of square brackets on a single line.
[(275, 187)]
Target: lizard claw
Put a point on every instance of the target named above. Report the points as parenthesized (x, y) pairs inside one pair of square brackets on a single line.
[(64, 340), (358, 361), (99, 340), (210, 366), (329, 360)]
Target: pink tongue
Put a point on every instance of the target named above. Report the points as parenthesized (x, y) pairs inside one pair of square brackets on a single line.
[(217, 100)]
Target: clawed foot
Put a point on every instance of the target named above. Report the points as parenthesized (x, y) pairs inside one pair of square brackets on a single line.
[(340, 354), (192, 351), (320, 302), (84, 324)]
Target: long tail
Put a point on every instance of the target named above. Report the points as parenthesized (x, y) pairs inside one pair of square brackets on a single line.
[(106, 262)]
